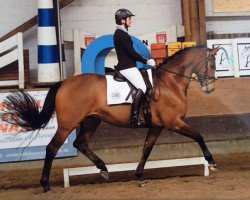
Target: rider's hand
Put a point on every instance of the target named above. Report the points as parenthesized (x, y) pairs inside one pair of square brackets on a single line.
[(151, 62)]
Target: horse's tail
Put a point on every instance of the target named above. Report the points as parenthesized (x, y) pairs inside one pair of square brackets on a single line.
[(23, 110)]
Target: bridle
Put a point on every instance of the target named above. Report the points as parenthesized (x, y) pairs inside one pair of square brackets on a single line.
[(204, 79), (201, 79)]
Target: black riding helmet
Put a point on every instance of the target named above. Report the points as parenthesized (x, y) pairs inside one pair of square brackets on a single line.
[(122, 14)]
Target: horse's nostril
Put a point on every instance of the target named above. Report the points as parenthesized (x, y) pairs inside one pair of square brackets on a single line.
[(207, 89)]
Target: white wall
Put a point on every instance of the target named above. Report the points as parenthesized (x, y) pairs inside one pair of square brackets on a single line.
[(92, 16), (97, 16)]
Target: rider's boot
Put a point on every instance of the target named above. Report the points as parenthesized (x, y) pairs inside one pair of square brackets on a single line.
[(139, 97)]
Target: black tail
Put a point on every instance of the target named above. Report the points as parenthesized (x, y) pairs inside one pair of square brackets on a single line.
[(23, 110)]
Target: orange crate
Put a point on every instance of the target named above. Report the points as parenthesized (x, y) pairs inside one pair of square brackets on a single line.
[(158, 50), (155, 46)]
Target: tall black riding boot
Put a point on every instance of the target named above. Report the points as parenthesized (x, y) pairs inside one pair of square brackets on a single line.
[(139, 97)]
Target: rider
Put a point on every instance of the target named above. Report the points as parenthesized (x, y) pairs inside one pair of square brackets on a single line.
[(127, 57)]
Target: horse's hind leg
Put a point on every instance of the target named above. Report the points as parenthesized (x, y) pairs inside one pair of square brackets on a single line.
[(87, 130), (196, 136), (51, 151), (152, 136)]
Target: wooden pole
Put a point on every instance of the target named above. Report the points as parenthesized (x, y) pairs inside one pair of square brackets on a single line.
[(194, 21), (186, 20), (202, 21)]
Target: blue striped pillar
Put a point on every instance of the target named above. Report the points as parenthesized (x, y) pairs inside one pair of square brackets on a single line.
[(48, 52)]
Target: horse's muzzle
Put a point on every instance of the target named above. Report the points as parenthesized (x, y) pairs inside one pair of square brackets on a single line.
[(208, 88)]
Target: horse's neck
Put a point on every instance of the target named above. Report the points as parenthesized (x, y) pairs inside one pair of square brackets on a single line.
[(182, 71), (181, 64), (167, 81)]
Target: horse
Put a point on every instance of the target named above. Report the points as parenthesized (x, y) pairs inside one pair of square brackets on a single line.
[(87, 94)]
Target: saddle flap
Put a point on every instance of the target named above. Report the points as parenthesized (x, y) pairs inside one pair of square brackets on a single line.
[(118, 77), (117, 91)]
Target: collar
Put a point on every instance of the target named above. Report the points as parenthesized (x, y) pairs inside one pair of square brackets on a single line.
[(121, 28)]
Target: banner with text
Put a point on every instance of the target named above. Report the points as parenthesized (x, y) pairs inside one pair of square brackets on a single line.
[(31, 145)]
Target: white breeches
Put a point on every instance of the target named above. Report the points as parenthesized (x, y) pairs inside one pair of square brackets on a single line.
[(135, 77)]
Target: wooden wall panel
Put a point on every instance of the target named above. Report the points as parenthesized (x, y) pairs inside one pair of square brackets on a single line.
[(231, 5), (202, 22), (194, 21), (10, 72), (186, 20)]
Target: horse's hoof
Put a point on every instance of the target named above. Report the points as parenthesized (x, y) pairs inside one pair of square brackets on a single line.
[(105, 175), (45, 185), (142, 183), (46, 189), (213, 167)]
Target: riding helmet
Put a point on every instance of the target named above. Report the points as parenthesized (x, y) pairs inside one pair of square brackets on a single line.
[(122, 14)]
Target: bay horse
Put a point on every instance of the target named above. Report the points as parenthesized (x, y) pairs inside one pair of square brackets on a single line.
[(81, 101)]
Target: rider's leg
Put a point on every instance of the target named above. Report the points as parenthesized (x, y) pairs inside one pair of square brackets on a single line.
[(134, 76), (136, 106)]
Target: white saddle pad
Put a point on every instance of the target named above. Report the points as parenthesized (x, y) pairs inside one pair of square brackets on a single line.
[(117, 92)]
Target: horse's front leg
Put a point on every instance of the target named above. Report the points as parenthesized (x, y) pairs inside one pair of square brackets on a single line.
[(87, 130), (187, 131), (152, 136)]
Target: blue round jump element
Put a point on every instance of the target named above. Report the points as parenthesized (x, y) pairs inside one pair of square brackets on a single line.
[(94, 56)]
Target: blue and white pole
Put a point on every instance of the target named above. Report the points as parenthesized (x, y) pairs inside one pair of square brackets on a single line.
[(48, 53)]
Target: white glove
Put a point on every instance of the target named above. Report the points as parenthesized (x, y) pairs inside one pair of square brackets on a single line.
[(151, 62)]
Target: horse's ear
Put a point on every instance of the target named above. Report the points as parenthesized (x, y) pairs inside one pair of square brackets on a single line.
[(214, 50)]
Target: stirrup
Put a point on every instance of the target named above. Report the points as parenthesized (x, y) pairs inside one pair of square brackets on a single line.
[(135, 121), (147, 116)]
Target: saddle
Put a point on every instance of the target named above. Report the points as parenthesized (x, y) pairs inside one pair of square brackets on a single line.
[(117, 76)]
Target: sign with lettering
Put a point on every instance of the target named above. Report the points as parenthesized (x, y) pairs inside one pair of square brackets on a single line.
[(161, 37), (224, 57), (88, 40), (244, 55), (16, 145)]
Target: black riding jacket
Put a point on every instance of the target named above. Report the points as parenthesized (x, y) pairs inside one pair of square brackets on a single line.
[(126, 54)]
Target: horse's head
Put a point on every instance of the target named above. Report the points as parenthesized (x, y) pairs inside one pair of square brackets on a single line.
[(205, 71)]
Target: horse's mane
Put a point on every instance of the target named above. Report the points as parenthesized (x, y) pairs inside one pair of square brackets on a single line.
[(167, 59)]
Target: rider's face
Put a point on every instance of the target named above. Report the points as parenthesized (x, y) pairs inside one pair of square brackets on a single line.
[(128, 21)]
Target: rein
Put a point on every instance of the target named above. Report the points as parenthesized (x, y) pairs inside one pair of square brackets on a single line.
[(183, 76), (200, 79)]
